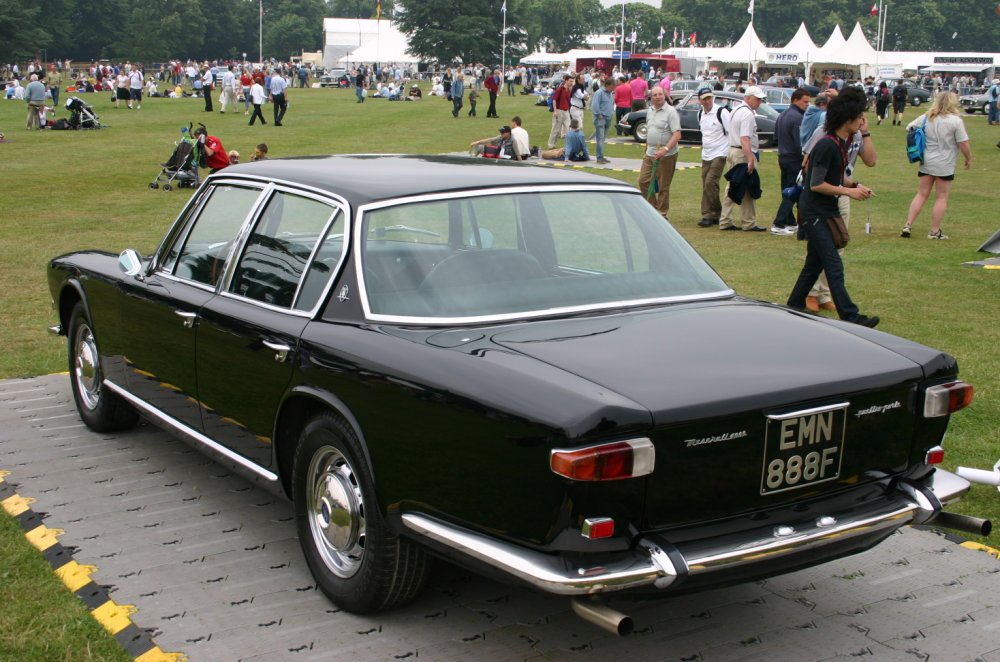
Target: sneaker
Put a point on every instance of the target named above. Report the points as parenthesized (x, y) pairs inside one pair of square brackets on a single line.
[(784, 231), (755, 228), (937, 235), (864, 320), (905, 233)]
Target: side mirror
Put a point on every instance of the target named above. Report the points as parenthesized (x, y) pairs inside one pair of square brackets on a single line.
[(130, 262)]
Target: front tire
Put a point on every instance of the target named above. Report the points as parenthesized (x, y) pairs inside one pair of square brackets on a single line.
[(101, 409), (639, 132), (356, 561), (917, 101)]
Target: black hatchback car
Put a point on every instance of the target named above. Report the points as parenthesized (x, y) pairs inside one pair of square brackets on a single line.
[(686, 103), (521, 369)]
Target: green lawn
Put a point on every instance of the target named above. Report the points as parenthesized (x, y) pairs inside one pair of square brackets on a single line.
[(72, 190)]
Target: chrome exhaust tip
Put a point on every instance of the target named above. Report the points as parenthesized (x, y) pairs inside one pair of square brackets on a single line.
[(966, 523), (603, 616)]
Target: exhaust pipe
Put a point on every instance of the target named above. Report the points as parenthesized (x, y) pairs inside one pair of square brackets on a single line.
[(603, 616), (966, 523)]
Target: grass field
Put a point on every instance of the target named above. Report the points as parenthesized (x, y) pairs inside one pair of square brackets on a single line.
[(73, 190)]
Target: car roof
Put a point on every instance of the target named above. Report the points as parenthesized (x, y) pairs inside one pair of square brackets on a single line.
[(364, 178)]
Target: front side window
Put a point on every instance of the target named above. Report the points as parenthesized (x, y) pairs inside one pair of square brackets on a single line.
[(287, 234), (207, 246), (524, 253)]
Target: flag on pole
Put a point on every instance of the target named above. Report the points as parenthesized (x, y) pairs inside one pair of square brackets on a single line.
[(875, 10), (632, 37), (662, 32), (378, 10), (750, 8), (503, 9), (675, 35), (694, 36)]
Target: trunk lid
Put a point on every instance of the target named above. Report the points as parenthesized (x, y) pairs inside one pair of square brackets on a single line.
[(753, 406)]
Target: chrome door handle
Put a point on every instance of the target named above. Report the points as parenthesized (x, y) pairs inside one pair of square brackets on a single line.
[(281, 350), (189, 318)]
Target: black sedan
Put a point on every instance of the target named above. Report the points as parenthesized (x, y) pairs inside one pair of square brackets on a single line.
[(521, 369), (686, 103)]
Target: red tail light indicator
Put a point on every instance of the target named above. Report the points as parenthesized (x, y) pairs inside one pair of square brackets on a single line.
[(934, 455), (595, 528), (944, 399), (611, 461)]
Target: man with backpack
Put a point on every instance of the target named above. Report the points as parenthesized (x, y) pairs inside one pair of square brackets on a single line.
[(898, 103), (714, 122)]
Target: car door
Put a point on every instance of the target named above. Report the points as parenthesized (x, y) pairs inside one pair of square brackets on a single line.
[(160, 310), (248, 335)]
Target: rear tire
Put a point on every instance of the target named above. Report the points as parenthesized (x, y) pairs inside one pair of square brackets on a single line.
[(354, 558), (101, 409)]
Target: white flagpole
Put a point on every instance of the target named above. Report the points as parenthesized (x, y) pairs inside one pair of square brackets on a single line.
[(260, 33), (621, 69), (750, 49), (503, 42)]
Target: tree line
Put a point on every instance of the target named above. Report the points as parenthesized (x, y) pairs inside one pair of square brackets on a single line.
[(158, 30)]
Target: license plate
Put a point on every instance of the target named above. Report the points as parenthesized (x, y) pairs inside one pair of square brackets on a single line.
[(803, 448)]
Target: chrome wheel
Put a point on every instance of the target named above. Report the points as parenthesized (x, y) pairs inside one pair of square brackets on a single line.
[(86, 369), (336, 512), (640, 131)]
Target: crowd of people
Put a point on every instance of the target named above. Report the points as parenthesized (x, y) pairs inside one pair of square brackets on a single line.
[(819, 138)]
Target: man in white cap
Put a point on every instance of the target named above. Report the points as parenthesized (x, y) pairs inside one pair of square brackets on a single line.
[(743, 149), (714, 123), (993, 96)]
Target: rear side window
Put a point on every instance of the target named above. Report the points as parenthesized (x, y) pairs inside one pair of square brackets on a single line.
[(284, 241)]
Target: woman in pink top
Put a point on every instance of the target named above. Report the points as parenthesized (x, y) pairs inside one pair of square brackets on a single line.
[(639, 87), (623, 101)]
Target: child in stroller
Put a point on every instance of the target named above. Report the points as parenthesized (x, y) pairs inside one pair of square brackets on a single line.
[(181, 167)]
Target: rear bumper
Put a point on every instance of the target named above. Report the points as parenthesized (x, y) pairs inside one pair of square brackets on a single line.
[(657, 564)]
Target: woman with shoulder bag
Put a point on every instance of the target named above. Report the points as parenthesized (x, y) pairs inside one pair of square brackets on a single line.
[(820, 214)]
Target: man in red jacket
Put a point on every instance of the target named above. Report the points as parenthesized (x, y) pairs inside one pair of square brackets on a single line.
[(216, 157), (492, 85), (560, 111)]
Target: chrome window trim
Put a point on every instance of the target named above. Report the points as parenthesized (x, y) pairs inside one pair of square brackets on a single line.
[(481, 319), (268, 187)]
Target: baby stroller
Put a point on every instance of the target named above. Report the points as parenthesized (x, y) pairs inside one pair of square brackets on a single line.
[(81, 114), (181, 166)]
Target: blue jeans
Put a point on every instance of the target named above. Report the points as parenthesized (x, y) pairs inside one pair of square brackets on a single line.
[(822, 255), (360, 92), (992, 113), (789, 173), (601, 126)]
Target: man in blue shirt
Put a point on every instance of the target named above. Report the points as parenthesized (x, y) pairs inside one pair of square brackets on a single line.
[(575, 148), (278, 89), (602, 106)]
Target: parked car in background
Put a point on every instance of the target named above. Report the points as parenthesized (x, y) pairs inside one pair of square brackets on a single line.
[(915, 95), (687, 107), (975, 103), (521, 369), (335, 78)]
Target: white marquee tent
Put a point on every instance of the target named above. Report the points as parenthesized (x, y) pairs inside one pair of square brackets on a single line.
[(350, 40)]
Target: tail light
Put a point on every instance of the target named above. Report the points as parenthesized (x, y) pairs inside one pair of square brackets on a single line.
[(610, 461), (944, 399), (934, 455)]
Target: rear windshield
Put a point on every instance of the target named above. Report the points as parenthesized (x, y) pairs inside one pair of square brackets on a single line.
[(525, 253)]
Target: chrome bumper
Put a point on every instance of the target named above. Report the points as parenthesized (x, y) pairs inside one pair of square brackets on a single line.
[(651, 565)]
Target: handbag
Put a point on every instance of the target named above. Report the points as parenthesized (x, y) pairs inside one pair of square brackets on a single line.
[(838, 229)]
